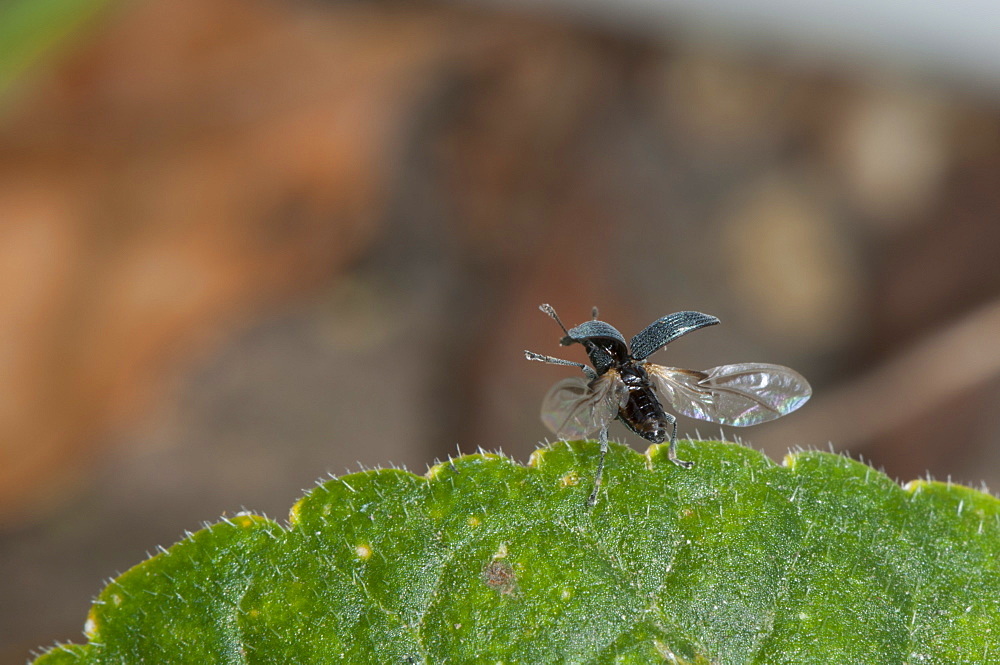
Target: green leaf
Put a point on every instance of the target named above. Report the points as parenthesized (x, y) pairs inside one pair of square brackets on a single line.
[(739, 560)]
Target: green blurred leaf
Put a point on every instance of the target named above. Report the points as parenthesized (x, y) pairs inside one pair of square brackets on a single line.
[(739, 560), (30, 28)]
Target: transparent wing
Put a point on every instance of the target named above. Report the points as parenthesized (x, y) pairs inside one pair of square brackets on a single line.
[(573, 409), (740, 395)]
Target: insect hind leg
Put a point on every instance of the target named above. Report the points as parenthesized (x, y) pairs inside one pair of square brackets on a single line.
[(672, 450), (603, 440)]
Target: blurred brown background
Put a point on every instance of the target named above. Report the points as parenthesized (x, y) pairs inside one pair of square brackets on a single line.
[(246, 243)]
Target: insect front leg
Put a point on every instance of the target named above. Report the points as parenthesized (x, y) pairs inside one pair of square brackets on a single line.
[(531, 355), (603, 440), (672, 450)]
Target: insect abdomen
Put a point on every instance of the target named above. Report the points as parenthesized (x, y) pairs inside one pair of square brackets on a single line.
[(644, 415)]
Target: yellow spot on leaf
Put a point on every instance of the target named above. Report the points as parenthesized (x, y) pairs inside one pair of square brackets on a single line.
[(569, 480), (90, 627)]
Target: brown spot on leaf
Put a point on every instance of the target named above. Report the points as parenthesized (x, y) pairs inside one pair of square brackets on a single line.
[(499, 575)]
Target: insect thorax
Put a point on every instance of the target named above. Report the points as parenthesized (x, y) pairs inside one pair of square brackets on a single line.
[(606, 353)]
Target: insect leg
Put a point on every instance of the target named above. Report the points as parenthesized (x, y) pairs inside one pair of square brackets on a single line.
[(531, 355), (672, 451), (603, 439)]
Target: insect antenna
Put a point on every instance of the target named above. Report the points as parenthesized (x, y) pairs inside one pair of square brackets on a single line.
[(548, 309), (566, 340)]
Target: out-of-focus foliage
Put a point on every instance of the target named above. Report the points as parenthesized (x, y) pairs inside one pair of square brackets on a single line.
[(28, 28), (821, 560)]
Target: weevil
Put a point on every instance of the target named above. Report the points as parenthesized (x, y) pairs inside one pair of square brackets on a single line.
[(623, 384)]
